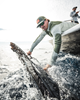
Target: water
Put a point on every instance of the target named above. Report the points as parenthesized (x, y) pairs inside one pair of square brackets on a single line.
[(67, 73), (17, 84)]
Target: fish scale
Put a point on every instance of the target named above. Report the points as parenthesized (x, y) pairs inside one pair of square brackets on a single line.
[(47, 86)]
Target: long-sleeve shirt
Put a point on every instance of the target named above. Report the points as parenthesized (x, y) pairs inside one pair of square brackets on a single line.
[(47, 32), (57, 29), (74, 16), (54, 32)]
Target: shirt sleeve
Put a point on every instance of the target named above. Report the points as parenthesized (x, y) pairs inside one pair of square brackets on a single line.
[(72, 14), (37, 41), (78, 16)]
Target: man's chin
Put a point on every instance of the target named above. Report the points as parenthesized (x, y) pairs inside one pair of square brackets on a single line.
[(44, 29)]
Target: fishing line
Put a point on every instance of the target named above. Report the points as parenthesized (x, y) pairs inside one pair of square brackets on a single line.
[(34, 59)]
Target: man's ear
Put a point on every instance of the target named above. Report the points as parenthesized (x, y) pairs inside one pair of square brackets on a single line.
[(48, 20)]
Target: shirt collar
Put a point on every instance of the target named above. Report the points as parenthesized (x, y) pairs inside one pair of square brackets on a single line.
[(48, 26)]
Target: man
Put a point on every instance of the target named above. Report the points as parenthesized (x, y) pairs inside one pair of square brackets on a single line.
[(74, 15), (53, 29)]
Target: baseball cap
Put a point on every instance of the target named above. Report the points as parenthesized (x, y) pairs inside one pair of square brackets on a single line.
[(40, 21), (74, 7)]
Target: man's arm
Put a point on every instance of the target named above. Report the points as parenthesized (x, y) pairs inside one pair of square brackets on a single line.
[(72, 14), (37, 41), (78, 16)]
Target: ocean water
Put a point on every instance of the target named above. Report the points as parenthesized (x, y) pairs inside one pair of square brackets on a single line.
[(17, 84)]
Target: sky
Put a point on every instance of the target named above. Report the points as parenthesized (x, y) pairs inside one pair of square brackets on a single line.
[(18, 17)]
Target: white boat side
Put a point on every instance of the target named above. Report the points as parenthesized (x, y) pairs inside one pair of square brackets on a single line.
[(73, 29)]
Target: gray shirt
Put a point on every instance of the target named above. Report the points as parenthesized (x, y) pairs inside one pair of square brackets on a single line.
[(74, 16)]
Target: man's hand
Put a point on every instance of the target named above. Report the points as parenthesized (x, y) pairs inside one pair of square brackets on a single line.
[(47, 66), (77, 12), (29, 53)]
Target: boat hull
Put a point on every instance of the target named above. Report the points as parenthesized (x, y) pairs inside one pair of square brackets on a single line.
[(70, 43)]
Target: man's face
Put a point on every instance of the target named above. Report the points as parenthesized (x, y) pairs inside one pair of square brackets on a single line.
[(45, 26), (74, 9)]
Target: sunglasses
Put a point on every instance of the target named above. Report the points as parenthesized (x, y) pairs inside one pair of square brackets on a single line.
[(41, 24)]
